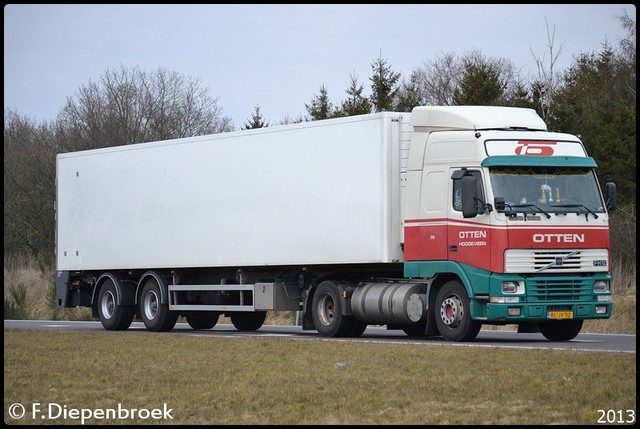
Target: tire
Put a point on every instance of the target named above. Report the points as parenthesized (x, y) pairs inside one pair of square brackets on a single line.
[(327, 313), (156, 316), (417, 330), (248, 321), (357, 329), (453, 317), (202, 319), (113, 317), (560, 330)]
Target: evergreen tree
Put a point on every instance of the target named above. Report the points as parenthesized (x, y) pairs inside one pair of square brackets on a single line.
[(356, 103), (520, 96), (383, 85), (256, 120), (598, 103), (480, 85), (320, 107)]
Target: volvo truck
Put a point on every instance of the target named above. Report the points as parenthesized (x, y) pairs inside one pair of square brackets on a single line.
[(434, 222)]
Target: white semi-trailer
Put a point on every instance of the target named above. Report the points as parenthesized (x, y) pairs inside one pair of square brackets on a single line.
[(434, 222)]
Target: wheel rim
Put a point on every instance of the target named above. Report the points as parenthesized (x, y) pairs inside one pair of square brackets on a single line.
[(150, 305), (108, 304), (451, 311), (326, 310)]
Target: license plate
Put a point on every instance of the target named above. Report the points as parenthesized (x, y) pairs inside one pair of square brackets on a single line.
[(560, 315)]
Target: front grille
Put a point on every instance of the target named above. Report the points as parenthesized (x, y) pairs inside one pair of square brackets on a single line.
[(559, 289), (551, 261)]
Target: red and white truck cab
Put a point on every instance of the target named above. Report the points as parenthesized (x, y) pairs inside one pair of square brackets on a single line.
[(511, 216)]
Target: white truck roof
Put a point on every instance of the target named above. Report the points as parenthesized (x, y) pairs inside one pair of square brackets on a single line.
[(475, 118)]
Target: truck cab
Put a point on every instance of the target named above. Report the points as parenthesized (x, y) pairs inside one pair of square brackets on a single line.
[(507, 222)]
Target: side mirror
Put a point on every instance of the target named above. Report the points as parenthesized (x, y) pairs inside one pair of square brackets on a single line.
[(499, 204), (469, 197), (610, 189)]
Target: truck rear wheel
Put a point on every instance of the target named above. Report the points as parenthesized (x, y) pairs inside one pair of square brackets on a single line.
[(417, 330), (454, 317), (560, 330), (357, 329), (156, 316), (113, 317), (248, 321), (202, 319), (327, 313)]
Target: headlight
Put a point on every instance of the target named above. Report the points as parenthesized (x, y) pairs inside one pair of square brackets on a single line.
[(601, 286), (512, 287)]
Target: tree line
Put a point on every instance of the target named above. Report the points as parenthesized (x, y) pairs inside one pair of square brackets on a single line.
[(594, 98)]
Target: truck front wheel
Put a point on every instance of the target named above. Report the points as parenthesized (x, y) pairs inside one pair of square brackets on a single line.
[(113, 317), (454, 317), (156, 316), (560, 330)]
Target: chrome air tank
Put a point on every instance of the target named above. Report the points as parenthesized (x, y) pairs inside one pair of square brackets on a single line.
[(389, 303)]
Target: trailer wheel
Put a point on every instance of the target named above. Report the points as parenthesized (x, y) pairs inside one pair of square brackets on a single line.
[(327, 313), (560, 330), (248, 321), (454, 317), (202, 319), (113, 317), (156, 316)]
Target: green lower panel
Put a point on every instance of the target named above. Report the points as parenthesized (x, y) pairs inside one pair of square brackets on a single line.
[(538, 312)]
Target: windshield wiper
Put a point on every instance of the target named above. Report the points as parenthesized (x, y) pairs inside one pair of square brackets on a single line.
[(586, 214), (529, 206)]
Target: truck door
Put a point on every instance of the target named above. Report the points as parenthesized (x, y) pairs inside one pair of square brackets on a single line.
[(469, 239)]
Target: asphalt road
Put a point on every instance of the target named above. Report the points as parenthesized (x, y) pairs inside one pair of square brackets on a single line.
[(611, 343)]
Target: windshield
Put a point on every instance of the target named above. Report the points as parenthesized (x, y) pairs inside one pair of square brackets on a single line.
[(547, 189)]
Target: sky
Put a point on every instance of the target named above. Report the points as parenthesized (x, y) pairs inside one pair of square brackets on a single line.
[(277, 56)]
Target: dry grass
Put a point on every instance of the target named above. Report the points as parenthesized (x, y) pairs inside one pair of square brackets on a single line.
[(278, 381), (207, 380)]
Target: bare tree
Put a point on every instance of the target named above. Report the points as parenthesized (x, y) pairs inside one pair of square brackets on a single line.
[(548, 80), (408, 95), (180, 107), (628, 49), (131, 106), (438, 79), (29, 188)]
